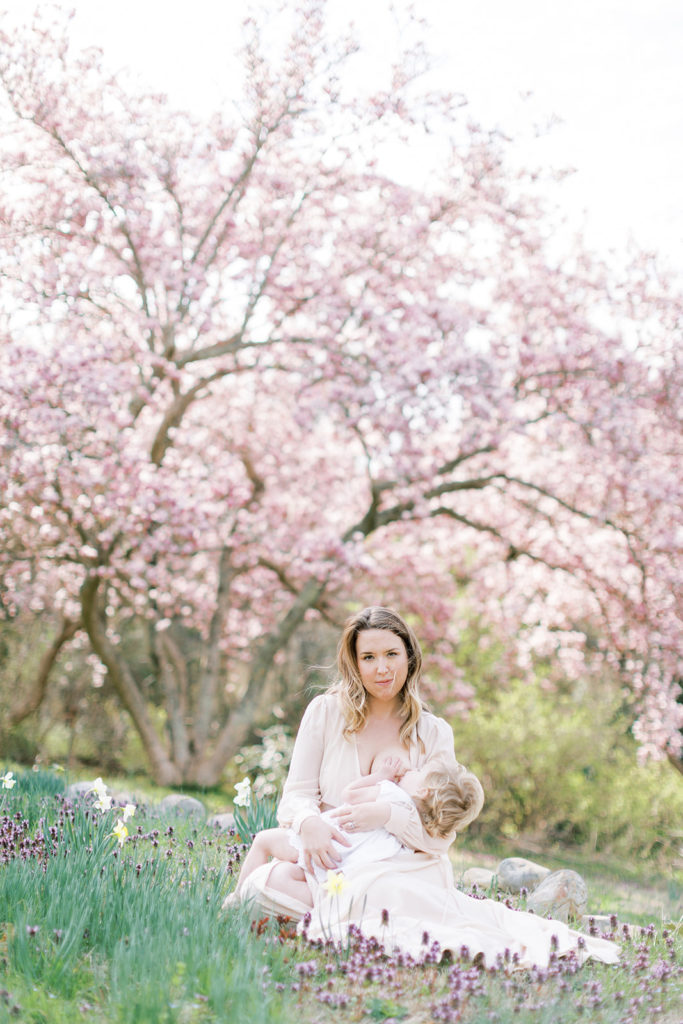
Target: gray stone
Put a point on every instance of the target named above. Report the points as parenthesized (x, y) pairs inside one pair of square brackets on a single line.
[(182, 806), (563, 894), (80, 790), (601, 922), (83, 791), (515, 873), (223, 822), (121, 797), (481, 877)]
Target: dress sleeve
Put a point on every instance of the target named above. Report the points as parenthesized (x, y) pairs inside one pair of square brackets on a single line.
[(404, 822), (301, 793)]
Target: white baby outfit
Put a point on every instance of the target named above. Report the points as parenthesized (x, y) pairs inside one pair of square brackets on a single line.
[(366, 847)]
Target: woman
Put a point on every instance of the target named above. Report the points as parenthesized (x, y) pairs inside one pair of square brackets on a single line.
[(376, 705), (445, 802)]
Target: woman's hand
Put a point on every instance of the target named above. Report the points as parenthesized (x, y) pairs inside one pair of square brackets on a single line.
[(317, 843), (364, 816)]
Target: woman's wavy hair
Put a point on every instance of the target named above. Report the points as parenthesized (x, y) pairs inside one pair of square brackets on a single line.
[(349, 686), (453, 799)]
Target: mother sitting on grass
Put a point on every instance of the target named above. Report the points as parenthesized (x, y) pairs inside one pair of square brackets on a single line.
[(375, 706)]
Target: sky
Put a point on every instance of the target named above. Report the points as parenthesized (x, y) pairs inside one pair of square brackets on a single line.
[(608, 73)]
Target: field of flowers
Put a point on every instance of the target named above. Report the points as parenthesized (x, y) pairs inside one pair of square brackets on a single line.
[(110, 914)]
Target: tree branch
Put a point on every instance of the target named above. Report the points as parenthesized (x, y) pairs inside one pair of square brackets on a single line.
[(173, 678), (33, 701), (675, 761), (235, 730), (165, 772), (175, 413), (221, 348), (210, 671)]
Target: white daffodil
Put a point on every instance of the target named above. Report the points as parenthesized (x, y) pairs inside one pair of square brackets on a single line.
[(8, 780), (120, 831), (104, 801), (128, 811), (98, 787), (243, 790)]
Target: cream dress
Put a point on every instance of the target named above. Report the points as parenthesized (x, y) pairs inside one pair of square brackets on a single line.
[(366, 847), (409, 900)]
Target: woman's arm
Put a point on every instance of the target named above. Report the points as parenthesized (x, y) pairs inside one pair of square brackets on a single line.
[(301, 792), (299, 807)]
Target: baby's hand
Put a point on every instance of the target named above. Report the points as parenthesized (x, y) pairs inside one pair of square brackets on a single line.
[(393, 769)]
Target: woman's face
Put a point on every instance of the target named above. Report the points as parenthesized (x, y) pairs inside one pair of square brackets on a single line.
[(382, 663)]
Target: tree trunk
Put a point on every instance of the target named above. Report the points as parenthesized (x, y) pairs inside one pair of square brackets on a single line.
[(208, 768), (207, 687), (173, 678), (33, 701), (186, 760), (164, 771)]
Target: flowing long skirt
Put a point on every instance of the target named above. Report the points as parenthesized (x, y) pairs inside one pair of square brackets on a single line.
[(410, 901)]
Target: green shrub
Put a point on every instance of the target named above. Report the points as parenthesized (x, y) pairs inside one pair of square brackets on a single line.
[(561, 766), (267, 763)]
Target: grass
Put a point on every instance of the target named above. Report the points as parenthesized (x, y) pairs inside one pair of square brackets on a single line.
[(641, 892), (91, 930)]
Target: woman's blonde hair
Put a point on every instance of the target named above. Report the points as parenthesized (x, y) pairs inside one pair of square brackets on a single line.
[(349, 686), (453, 799)]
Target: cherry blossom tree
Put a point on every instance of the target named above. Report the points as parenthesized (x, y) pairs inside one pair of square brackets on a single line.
[(253, 372)]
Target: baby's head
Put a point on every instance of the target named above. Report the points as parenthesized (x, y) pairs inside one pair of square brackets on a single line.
[(447, 799)]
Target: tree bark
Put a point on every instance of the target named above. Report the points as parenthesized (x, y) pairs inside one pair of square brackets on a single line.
[(207, 688), (164, 771), (32, 702), (173, 678), (208, 769)]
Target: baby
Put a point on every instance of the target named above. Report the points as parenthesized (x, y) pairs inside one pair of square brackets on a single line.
[(446, 800)]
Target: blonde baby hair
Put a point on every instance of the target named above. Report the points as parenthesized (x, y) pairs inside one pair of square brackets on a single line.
[(453, 799)]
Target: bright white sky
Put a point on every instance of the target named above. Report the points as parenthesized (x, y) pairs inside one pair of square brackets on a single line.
[(611, 70)]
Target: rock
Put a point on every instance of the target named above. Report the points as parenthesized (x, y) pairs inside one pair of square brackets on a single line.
[(515, 873), (83, 791), (78, 790), (182, 806), (121, 797), (222, 822), (600, 921), (481, 877), (562, 894), (142, 807)]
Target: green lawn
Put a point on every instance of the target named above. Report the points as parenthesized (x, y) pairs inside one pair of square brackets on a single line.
[(91, 930), (638, 891)]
